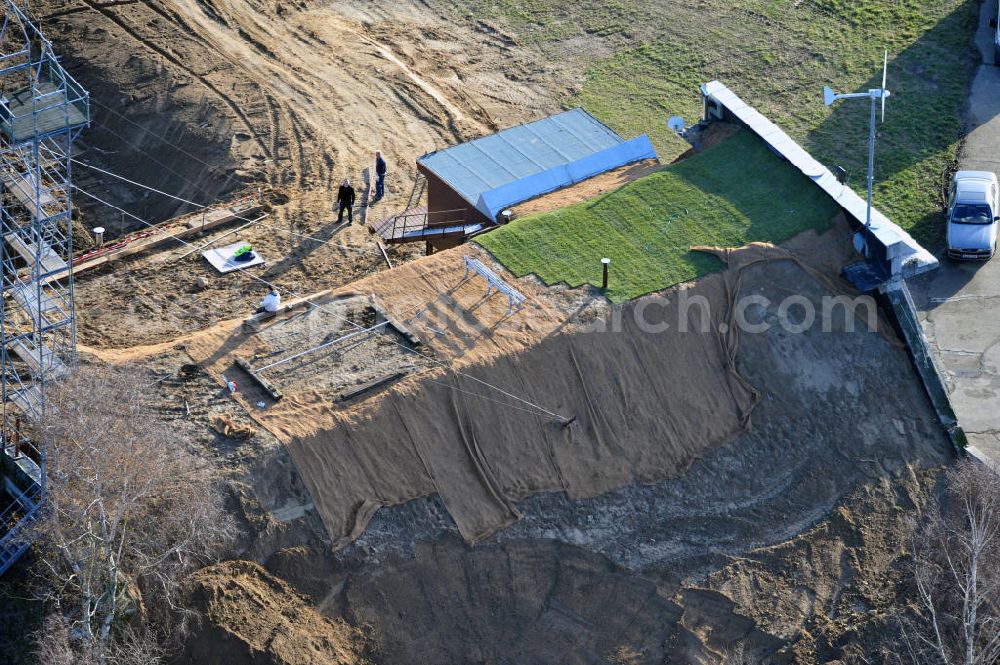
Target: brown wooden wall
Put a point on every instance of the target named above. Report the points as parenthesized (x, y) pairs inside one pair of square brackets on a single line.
[(441, 198)]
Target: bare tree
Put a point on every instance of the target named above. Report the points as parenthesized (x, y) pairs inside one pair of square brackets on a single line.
[(129, 510), (956, 573), (55, 646)]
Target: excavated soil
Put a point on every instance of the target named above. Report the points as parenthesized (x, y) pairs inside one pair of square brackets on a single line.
[(205, 100), (253, 617), (783, 539)]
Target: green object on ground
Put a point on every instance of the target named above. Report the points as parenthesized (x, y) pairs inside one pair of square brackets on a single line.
[(243, 250), (731, 194)]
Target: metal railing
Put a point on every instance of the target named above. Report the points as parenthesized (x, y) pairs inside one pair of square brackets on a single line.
[(411, 224)]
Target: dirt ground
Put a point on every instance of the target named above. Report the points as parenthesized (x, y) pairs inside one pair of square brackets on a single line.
[(254, 615), (205, 99), (784, 540), (787, 540)]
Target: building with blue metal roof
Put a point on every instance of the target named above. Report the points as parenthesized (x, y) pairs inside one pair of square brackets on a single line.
[(494, 172), (470, 184)]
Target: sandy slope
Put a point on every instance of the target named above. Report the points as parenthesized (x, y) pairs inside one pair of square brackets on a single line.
[(201, 99), (306, 91)]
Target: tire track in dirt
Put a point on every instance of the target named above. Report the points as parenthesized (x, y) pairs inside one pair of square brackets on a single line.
[(78, 10), (453, 111), (233, 106), (262, 47), (274, 118), (297, 148), (281, 114)]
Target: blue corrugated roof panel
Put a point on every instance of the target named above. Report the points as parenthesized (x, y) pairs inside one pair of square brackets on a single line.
[(493, 161)]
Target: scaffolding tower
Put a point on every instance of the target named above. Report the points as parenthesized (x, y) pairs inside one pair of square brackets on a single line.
[(42, 111)]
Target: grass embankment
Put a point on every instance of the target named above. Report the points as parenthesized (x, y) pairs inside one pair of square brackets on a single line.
[(647, 227), (643, 60)]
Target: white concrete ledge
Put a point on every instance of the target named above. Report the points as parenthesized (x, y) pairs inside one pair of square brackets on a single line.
[(906, 255)]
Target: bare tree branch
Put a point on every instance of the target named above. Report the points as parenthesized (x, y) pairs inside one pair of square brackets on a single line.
[(129, 506), (956, 572)]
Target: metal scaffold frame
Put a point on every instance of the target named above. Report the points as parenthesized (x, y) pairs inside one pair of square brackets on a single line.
[(42, 111)]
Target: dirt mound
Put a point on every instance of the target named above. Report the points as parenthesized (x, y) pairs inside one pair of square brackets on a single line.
[(201, 97), (254, 618), (830, 592), (527, 602), (204, 99)]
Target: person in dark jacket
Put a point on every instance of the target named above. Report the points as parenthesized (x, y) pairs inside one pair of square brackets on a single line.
[(380, 167), (345, 199)]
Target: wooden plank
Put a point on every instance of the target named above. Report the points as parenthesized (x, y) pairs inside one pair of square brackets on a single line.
[(367, 174), (252, 323), (150, 238), (268, 387), (50, 261), (356, 391), (384, 254)]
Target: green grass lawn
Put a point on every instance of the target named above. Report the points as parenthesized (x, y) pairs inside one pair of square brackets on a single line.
[(647, 227), (636, 62)]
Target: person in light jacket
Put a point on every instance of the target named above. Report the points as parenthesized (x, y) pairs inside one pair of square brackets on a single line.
[(271, 303)]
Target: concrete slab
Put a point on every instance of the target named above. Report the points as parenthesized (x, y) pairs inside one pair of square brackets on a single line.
[(980, 150), (960, 302), (222, 260), (984, 33)]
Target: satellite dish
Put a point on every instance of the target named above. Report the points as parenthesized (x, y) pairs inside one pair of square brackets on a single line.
[(829, 96), (676, 124)]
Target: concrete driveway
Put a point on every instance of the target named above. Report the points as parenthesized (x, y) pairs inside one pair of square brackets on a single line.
[(960, 302)]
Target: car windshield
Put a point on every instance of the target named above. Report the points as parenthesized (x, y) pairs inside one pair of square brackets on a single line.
[(971, 214)]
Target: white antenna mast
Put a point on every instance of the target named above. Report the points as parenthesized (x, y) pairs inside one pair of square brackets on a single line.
[(829, 97), (885, 68)]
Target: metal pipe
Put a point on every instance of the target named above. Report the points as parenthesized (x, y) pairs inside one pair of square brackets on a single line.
[(604, 264), (322, 346), (871, 179)]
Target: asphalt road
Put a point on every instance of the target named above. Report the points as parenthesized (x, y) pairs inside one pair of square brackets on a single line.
[(960, 302)]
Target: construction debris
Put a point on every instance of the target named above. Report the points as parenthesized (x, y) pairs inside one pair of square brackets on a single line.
[(227, 427), (268, 387), (232, 257)]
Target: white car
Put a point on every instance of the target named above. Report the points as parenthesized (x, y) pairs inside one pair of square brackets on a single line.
[(973, 204)]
